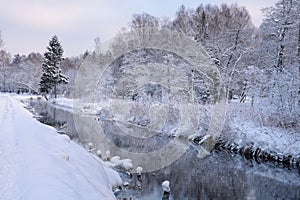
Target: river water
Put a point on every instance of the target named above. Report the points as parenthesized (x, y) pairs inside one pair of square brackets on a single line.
[(221, 175)]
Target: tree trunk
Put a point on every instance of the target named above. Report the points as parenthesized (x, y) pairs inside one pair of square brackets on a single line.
[(4, 81), (55, 95), (228, 84), (298, 52), (299, 45), (45, 96), (299, 63), (279, 64)]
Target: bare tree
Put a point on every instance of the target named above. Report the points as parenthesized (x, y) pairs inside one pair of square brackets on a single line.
[(183, 21), (144, 20), (5, 59), (226, 32), (1, 41), (278, 49)]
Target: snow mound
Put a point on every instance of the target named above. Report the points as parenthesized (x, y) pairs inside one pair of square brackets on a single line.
[(166, 186), (64, 137), (123, 163), (37, 163)]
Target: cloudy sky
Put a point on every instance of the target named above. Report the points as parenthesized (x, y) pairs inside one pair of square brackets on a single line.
[(27, 26)]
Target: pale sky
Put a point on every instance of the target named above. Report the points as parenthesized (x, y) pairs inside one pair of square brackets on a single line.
[(27, 25)]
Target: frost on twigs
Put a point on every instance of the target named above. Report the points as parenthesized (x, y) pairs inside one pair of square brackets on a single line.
[(149, 82)]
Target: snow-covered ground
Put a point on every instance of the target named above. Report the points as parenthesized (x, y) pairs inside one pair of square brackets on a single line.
[(64, 102), (247, 126), (37, 163)]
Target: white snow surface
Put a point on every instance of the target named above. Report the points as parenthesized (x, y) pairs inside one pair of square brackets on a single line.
[(37, 164), (62, 101), (69, 104), (246, 127)]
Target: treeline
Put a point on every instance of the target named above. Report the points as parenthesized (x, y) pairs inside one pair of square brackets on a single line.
[(22, 73), (225, 31), (261, 62)]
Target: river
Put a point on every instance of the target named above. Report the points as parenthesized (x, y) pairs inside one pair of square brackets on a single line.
[(221, 175)]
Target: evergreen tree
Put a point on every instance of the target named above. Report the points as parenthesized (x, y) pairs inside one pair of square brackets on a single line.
[(52, 75)]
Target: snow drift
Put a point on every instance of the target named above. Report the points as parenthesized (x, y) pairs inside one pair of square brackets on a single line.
[(38, 164)]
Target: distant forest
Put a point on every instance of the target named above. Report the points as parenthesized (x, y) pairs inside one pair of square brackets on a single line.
[(263, 63)]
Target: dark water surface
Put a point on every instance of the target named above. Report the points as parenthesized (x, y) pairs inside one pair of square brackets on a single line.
[(218, 176)]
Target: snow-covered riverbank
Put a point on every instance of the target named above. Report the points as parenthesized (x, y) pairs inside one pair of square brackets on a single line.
[(245, 126), (285, 178), (38, 163), (255, 126)]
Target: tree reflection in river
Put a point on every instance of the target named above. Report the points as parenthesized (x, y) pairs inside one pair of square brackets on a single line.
[(218, 176)]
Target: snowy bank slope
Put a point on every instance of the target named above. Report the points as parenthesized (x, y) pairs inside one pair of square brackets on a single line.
[(37, 163), (248, 125)]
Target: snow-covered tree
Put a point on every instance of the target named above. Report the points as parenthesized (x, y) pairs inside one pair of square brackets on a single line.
[(25, 71), (1, 41), (278, 53), (70, 67), (52, 73), (226, 33), (280, 31), (5, 59), (143, 20), (183, 21), (4, 62)]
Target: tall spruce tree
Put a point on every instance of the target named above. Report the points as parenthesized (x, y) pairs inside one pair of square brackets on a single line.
[(52, 75)]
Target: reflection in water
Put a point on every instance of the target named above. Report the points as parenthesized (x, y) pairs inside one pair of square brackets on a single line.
[(62, 119), (221, 176), (218, 176)]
